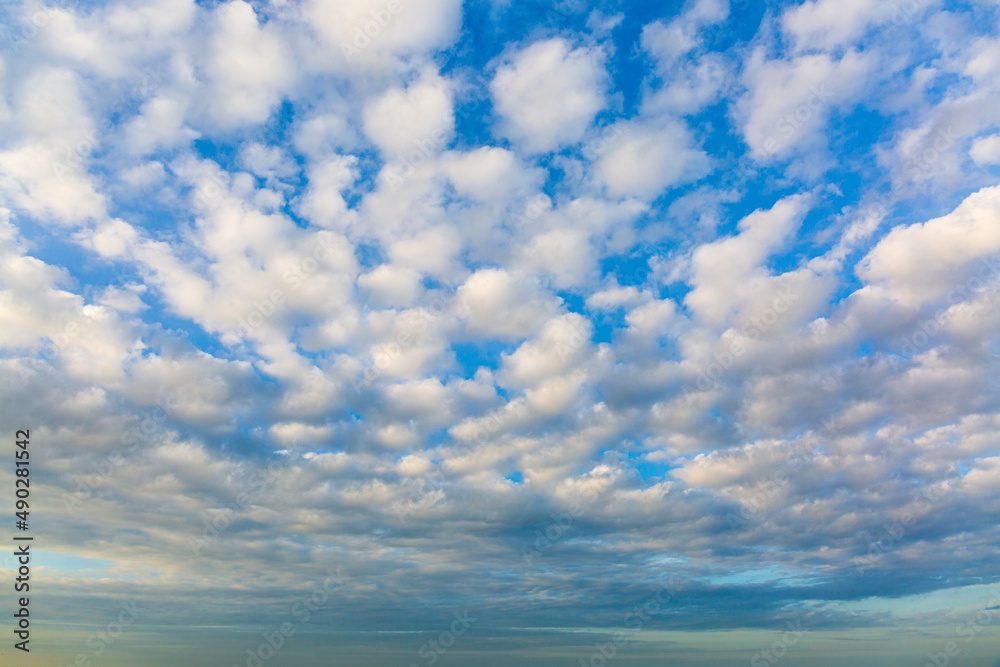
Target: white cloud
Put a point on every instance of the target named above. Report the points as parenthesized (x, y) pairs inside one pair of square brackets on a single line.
[(642, 160), (986, 150), (390, 285), (374, 33), (689, 87), (269, 162), (488, 173), (432, 251), (723, 269), (250, 67), (160, 124), (667, 42), (915, 264), (651, 320), (827, 24), (549, 93), (496, 304), (117, 41), (565, 255), (324, 134), (323, 202), (616, 297), (788, 102), (549, 366), (43, 169), (415, 118)]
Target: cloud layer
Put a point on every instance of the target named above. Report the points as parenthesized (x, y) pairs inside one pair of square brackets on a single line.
[(513, 309)]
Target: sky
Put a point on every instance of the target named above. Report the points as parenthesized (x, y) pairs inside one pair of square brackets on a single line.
[(386, 332)]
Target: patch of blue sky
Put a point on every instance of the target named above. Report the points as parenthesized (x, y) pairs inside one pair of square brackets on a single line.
[(957, 601), (630, 269), (772, 574), (62, 251), (80, 566), (369, 254), (525, 21), (480, 353), (161, 316), (650, 472), (606, 325)]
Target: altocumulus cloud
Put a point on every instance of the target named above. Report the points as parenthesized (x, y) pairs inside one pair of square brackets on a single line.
[(598, 277)]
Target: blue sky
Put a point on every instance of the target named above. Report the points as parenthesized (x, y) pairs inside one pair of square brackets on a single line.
[(512, 310)]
